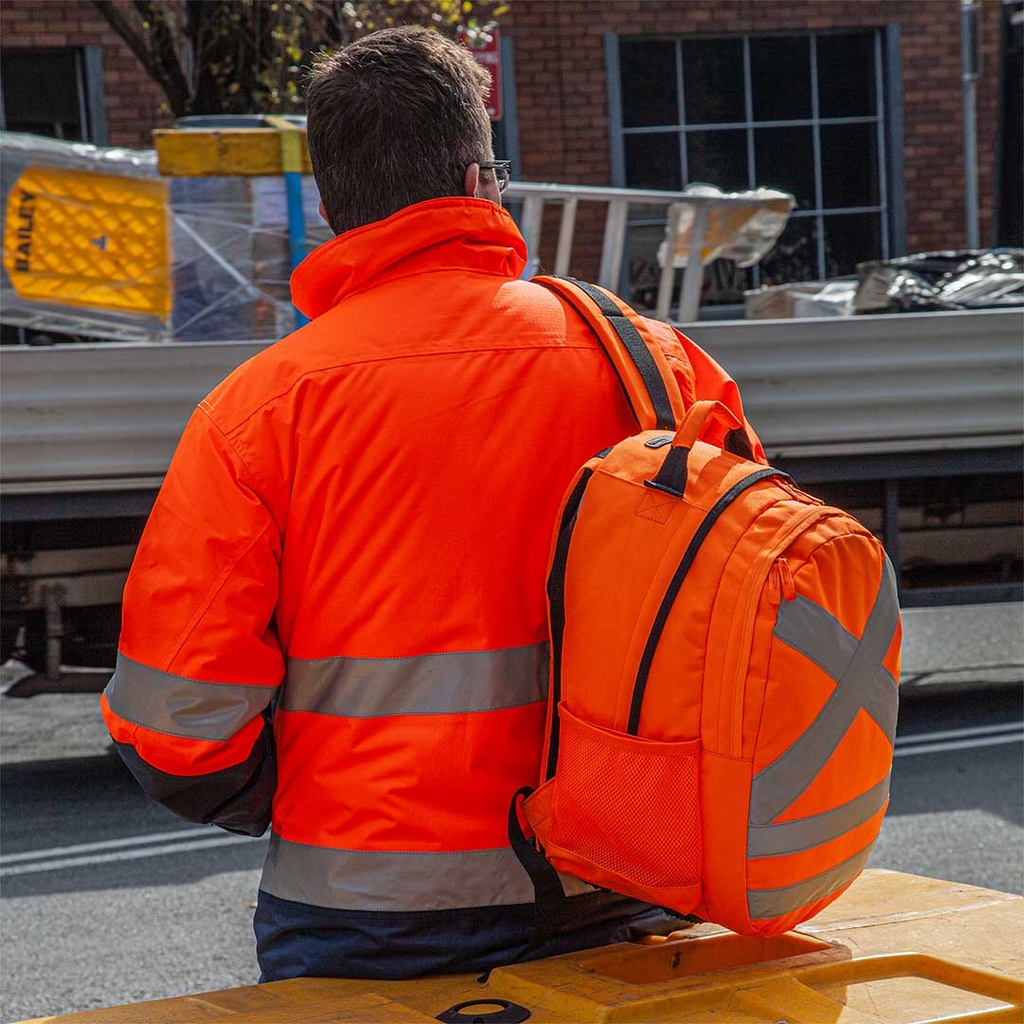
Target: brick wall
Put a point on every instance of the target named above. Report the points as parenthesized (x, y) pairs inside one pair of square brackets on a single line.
[(561, 85), (563, 107), (133, 100)]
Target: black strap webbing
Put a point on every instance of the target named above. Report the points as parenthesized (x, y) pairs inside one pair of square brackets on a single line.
[(634, 345), (672, 475), (549, 896)]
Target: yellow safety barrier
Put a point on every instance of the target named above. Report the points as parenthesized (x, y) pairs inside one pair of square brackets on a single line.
[(894, 949), (85, 239)]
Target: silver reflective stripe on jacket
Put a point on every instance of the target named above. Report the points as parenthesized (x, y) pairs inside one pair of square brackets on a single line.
[(455, 683), (398, 881), (406, 880), (862, 682), (429, 684), (180, 706)]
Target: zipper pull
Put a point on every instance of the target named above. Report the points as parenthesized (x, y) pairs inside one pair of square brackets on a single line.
[(793, 491), (780, 583)]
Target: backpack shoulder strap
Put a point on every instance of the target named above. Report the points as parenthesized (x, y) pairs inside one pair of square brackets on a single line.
[(635, 353)]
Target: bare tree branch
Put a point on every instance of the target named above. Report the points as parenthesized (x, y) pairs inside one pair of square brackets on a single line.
[(247, 56), (170, 79), (160, 18)]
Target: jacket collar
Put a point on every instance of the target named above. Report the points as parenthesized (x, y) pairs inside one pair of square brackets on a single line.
[(440, 234)]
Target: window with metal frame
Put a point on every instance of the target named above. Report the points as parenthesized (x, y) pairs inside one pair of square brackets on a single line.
[(803, 113), (53, 92)]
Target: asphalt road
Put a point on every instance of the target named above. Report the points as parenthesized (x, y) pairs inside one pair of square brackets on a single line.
[(106, 898)]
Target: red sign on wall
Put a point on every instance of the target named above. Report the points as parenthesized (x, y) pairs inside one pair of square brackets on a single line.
[(486, 50)]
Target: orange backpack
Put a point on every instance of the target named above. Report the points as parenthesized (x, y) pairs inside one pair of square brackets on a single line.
[(724, 664)]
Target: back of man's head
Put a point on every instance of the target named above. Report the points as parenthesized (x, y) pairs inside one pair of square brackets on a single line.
[(394, 119)]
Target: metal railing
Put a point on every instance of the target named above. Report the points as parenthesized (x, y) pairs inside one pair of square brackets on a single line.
[(617, 202)]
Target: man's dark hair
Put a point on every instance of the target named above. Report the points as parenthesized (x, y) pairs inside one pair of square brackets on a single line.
[(394, 119)]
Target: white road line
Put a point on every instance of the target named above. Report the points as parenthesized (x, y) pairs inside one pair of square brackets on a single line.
[(157, 844), (936, 748), (179, 835), (120, 855), (956, 734)]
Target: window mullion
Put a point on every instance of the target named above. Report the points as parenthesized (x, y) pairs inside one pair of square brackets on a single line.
[(819, 200), (684, 163), (85, 129), (748, 106), (796, 122), (883, 185), (748, 102)]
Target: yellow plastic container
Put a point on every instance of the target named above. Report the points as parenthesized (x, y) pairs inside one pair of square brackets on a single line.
[(895, 949), (220, 152)]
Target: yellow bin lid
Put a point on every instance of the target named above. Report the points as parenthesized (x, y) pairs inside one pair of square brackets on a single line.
[(894, 949)]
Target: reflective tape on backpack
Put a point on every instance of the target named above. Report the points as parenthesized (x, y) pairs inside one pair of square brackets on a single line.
[(862, 682), (764, 904)]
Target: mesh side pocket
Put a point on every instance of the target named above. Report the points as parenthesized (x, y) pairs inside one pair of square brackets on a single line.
[(627, 804)]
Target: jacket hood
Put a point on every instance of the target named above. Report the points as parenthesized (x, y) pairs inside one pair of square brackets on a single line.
[(440, 234)]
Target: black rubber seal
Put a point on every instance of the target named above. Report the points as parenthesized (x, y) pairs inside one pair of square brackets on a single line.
[(507, 1013)]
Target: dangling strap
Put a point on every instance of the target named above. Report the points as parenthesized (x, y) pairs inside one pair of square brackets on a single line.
[(550, 899), (636, 355)]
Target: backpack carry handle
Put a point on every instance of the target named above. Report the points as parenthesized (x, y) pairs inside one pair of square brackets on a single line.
[(699, 421), (706, 420)]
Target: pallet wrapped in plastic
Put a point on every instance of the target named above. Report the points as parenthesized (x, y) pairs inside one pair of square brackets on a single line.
[(97, 245)]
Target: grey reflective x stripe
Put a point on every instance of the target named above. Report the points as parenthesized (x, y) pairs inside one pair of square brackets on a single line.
[(429, 684), (862, 681), (180, 706), (398, 880), (805, 833), (767, 903)]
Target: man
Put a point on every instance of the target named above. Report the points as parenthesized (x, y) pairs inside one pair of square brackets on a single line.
[(335, 622)]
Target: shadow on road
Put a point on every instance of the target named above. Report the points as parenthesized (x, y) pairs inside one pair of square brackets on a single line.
[(973, 777), (52, 807)]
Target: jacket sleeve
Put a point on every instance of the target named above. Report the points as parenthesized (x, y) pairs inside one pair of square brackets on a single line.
[(198, 664), (700, 377)]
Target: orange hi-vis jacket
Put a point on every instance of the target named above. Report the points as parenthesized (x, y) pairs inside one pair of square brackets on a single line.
[(335, 622)]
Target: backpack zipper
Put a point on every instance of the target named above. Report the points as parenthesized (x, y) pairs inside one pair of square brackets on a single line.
[(771, 569), (647, 658), (780, 583), (556, 601)]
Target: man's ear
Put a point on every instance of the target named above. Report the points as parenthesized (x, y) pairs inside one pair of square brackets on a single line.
[(471, 180)]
